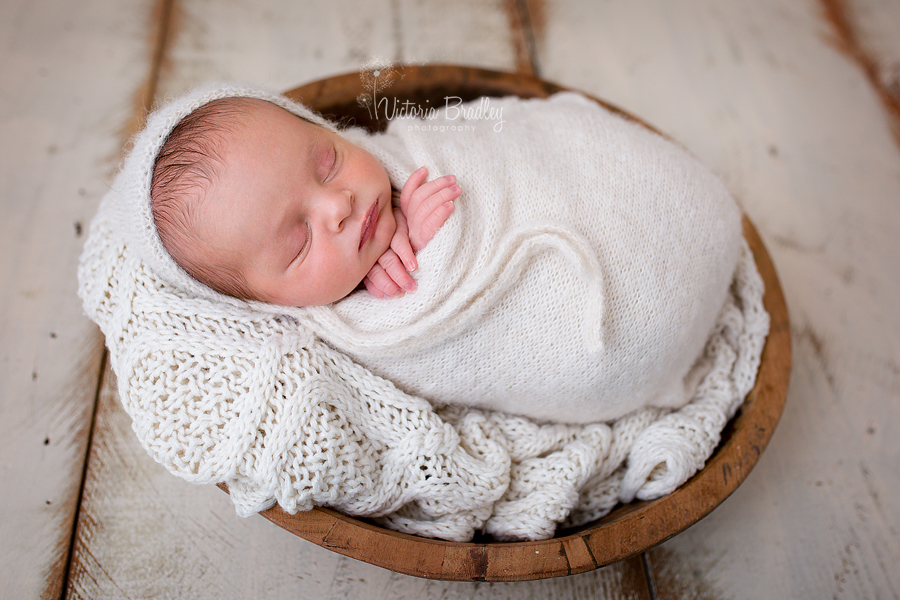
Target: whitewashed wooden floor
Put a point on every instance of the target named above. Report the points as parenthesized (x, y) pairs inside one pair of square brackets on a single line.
[(796, 103)]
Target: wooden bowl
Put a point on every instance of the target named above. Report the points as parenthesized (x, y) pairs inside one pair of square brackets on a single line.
[(629, 529)]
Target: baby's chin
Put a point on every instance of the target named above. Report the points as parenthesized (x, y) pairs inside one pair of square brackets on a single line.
[(299, 301)]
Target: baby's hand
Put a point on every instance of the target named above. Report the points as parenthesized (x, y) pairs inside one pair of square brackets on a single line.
[(423, 209), (426, 206), (388, 277)]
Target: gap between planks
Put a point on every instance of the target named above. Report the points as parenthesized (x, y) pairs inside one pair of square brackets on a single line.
[(160, 35), (847, 41), (522, 29)]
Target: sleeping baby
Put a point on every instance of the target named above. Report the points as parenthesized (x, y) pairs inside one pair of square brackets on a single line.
[(571, 276), (260, 204), (610, 278)]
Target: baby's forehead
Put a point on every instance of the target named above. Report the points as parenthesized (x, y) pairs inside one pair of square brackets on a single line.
[(258, 114), (264, 109)]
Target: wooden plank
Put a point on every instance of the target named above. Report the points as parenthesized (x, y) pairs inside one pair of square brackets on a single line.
[(283, 44), (70, 73), (144, 533), (760, 91)]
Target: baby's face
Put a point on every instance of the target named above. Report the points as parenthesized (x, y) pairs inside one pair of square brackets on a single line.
[(301, 213)]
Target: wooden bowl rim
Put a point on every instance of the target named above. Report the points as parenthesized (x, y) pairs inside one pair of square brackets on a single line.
[(628, 530)]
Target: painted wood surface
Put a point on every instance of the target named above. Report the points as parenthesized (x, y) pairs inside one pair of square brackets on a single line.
[(69, 76), (777, 97), (282, 44)]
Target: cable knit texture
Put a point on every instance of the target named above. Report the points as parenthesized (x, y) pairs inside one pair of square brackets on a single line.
[(535, 264)]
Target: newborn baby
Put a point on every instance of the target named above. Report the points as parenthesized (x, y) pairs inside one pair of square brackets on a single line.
[(590, 271), (586, 271)]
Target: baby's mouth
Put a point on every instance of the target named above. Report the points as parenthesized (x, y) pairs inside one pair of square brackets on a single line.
[(368, 228)]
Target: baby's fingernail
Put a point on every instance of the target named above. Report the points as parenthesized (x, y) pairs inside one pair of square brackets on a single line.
[(455, 188), (410, 267), (411, 286), (449, 178)]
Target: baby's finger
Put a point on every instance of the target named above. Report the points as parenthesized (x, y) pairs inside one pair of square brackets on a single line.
[(400, 242), (380, 284), (396, 271), (429, 204), (372, 288), (426, 211), (428, 189), (400, 219), (402, 246), (433, 221), (412, 184)]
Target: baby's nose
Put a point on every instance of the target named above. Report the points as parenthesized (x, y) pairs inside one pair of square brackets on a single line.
[(337, 207)]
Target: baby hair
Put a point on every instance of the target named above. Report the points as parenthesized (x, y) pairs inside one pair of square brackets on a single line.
[(185, 169)]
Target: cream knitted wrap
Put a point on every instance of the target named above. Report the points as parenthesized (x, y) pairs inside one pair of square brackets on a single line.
[(222, 390), (578, 279)]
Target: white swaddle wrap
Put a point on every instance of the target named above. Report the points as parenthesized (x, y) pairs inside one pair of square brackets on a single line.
[(577, 280), (223, 390)]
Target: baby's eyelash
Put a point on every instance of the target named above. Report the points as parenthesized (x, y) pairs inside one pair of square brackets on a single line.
[(306, 243), (334, 161)]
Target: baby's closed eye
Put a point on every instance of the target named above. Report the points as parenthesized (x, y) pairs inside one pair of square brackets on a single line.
[(301, 243), (330, 163)]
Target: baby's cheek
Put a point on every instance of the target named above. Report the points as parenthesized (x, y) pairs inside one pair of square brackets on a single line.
[(390, 228)]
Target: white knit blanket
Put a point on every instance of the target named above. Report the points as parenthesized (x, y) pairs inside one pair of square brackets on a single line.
[(226, 391)]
